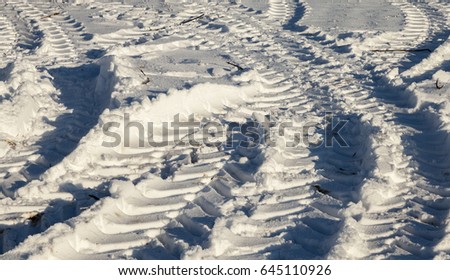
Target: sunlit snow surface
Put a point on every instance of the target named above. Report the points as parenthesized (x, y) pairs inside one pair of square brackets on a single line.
[(96, 98), (343, 15)]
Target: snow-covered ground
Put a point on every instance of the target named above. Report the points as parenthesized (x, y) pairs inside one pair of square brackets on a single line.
[(278, 129)]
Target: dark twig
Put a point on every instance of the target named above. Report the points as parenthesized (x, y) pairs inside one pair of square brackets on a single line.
[(192, 19), (49, 16), (184, 137), (439, 86), (404, 50), (147, 80), (235, 65), (158, 29)]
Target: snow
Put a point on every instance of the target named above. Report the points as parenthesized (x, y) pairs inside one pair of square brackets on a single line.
[(92, 166), (352, 16)]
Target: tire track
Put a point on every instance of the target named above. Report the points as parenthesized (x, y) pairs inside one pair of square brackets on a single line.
[(56, 46), (385, 169), (66, 199), (403, 221), (395, 172), (143, 24), (171, 203), (17, 77), (185, 236), (421, 223), (32, 159), (425, 30), (440, 15), (34, 162), (7, 40), (253, 225), (65, 133), (74, 29), (60, 131), (281, 10)]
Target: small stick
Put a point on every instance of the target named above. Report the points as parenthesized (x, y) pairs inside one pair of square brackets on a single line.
[(403, 50), (192, 19), (235, 65), (158, 29), (49, 16), (184, 137), (147, 78)]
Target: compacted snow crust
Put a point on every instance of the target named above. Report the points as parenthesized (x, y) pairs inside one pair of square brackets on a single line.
[(279, 129)]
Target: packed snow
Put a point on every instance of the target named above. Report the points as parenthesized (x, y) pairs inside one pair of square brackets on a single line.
[(276, 129)]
